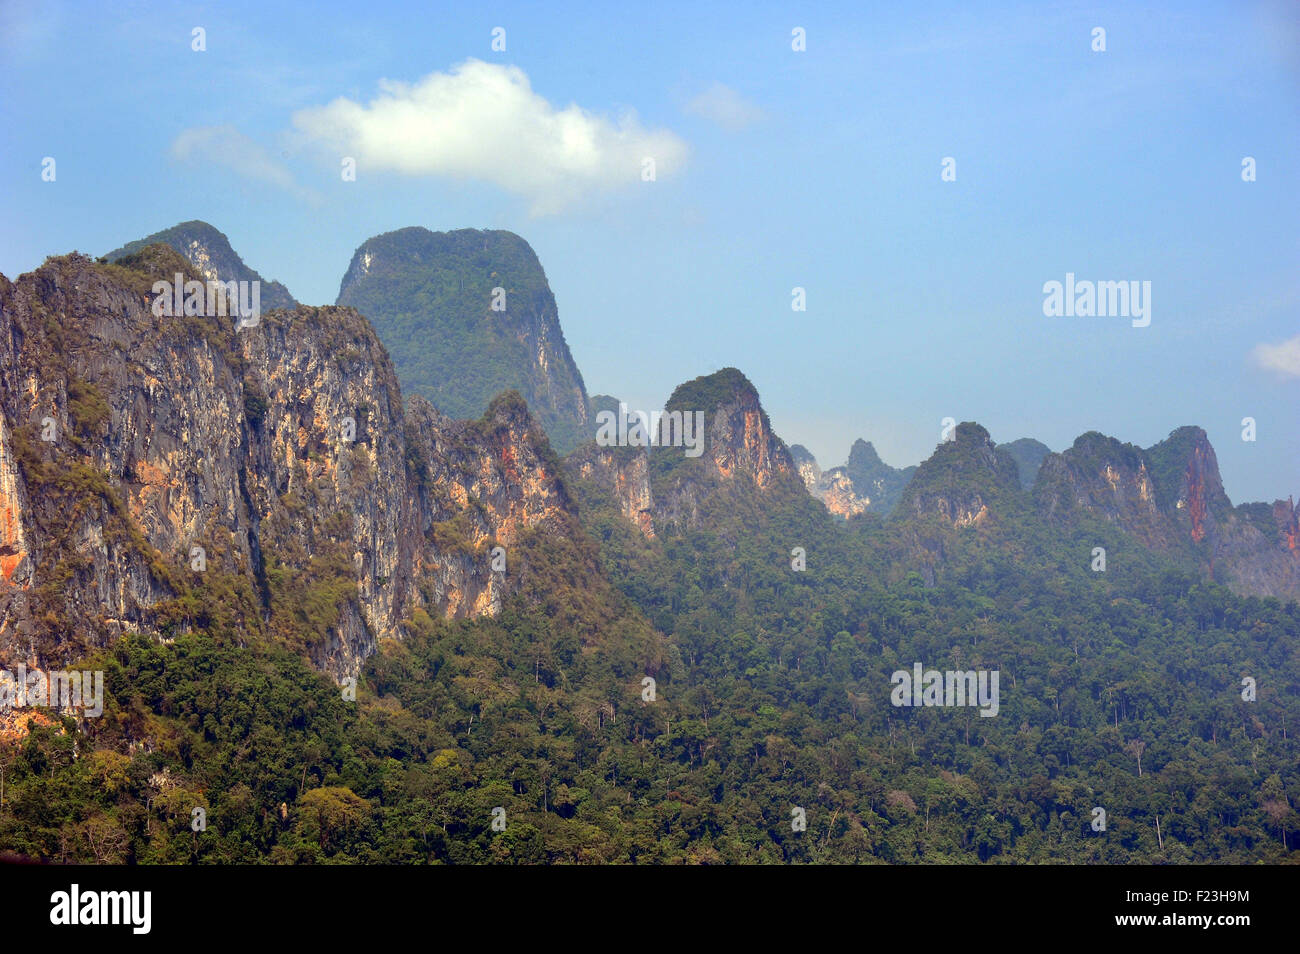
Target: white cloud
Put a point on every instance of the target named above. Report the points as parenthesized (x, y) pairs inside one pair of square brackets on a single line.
[(1283, 358), (723, 105), (227, 146), (483, 121)]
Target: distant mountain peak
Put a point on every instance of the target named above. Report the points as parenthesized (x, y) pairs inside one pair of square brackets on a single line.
[(1028, 454), (964, 480), (709, 391), (833, 487), (863, 454), (742, 463), (465, 315), (210, 252)]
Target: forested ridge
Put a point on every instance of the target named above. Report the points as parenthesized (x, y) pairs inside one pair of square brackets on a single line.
[(1119, 690)]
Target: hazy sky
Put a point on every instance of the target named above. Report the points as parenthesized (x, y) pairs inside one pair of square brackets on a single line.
[(775, 168)]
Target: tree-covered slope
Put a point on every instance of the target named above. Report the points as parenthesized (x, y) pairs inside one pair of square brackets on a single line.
[(466, 315)]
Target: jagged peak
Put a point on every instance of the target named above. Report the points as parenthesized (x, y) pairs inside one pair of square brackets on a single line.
[(963, 480), (969, 432), (863, 454), (1186, 471), (1093, 444)]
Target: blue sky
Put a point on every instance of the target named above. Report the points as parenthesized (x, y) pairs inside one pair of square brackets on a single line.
[(818, 169)]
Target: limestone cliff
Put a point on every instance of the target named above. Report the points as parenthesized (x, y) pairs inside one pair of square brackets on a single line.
[(738, 460), (209, 251), (467, 315), (1170, 497), (968, 481), (834, 488), (161, 472)]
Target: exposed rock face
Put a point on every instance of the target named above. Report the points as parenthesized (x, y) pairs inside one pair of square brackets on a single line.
[(625, 474), (209, 251), (324, 511), (832, 487), (965, 482), (874, 480), (739, 455), (1189, 483), (1171, 498), (467, 315), (15, 558), (1099, 475), (475, 484)]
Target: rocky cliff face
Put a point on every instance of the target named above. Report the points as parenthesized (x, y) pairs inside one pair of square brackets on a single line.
[(1188, 482), (625, 474), (157, 472), (467, 315), (665, 488), (209, 251), (875, 480), (833, 487), (1103, 477), (1170, 497), (968, 481)]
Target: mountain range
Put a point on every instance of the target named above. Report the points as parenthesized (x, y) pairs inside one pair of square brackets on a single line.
[(371, 491)]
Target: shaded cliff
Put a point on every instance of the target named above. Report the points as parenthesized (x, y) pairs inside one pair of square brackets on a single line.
[(467, 315)]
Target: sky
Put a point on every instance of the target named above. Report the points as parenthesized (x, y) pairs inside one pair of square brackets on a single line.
[(776, 168)]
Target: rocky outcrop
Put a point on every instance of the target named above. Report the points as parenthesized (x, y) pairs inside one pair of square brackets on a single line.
[(475, 485), (833, 487), (1105, 478), (209, 251), (625, 474), (875, 480), (968, 481), (1170, 497), (737, 459), (467, 315), (163, 472), (1188, 482)]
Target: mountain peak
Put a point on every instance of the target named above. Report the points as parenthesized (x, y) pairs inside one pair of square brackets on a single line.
[(1028, 454), (711, 391), (963, 479), (465, 315), (863, 455), (1186, 473), (210, 252)]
